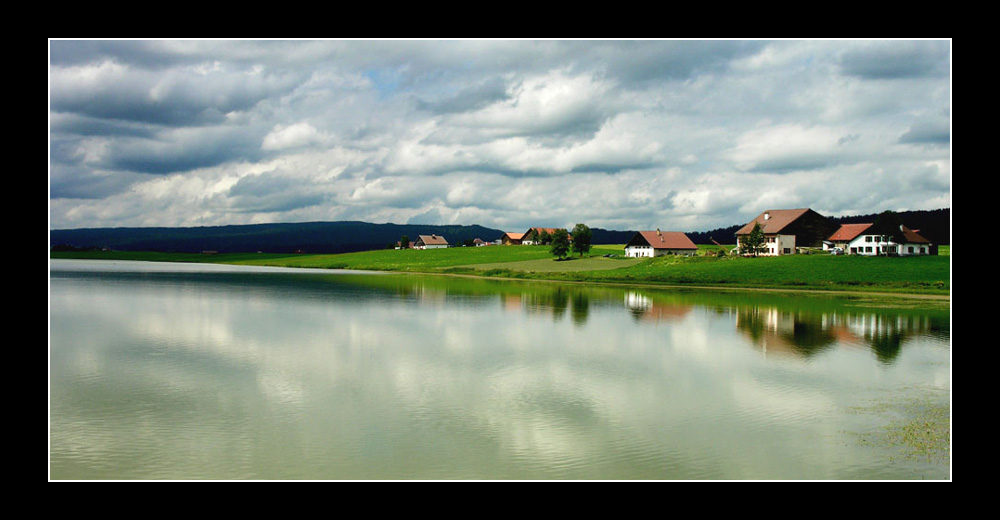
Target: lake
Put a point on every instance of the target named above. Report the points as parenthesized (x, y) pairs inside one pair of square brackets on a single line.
[(206, 372)]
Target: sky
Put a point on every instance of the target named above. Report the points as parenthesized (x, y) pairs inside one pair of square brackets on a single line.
[(616, 134)]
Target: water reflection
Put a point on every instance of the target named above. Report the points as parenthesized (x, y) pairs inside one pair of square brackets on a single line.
[(807, 334), (236, 375), (781, 327)]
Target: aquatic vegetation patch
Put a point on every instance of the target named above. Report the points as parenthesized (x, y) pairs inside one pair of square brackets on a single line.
[(921, 431)]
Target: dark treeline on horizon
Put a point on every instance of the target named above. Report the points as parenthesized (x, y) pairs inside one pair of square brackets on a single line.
[(350, 236)]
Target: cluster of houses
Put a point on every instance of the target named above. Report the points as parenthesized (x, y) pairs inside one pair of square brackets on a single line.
[(784, 231), (642, 244), (530, 237), (425, 242)]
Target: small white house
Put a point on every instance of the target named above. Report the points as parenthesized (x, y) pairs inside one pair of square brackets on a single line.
[(864, 239), (430, 242), (659, 243)]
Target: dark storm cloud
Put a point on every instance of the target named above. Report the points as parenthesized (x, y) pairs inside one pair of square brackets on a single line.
[(77, 125), (72, 182), (272, 192), (643, 61), (897, 60), (934, 130), (477, 96), (184, 150), (179, 97)]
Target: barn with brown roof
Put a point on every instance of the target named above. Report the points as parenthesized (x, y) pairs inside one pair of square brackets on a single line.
[(786, 230), (430, 242)]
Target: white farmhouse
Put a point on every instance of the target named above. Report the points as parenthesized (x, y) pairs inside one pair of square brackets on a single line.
[(658, 243), (865, 239), (430, 242)]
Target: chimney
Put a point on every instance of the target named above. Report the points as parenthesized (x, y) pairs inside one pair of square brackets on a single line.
[(767, 215)]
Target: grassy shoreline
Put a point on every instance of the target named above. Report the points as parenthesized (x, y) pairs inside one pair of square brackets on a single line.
[(927, 277)]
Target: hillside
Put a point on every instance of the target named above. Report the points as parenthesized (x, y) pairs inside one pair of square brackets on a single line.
[(349, 236), (308, 237)]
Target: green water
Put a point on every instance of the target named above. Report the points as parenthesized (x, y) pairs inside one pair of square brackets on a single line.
[(166, 371)]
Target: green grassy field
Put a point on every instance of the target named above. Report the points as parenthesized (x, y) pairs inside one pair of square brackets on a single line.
[(928, 275)]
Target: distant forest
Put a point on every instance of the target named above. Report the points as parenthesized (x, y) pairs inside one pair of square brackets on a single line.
[(345, 237)]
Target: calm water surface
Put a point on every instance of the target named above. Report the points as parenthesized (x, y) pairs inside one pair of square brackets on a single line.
[(172, 371)]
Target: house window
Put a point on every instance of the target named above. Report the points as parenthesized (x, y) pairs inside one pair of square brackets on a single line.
[(868, 249), (787, 251), (909, 249), (854, 250), (868, 238)]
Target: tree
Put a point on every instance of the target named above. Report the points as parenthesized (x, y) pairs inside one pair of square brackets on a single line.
[(545, 238), (404, 242), (754, 242), (890, 225), (560, 243), (581, 239)]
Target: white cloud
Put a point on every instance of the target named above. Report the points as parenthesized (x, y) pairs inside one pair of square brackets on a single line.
[(620, 135), (295, 135)]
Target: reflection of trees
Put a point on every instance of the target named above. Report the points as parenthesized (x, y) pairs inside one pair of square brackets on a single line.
[(784, 331), (581, 308), (807, 334), (887, 347), (798, 329), (555, 302)]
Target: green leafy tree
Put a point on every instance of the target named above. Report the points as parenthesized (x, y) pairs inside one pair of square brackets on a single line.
[(545, 238), (581, 239), (532, 237), (404, 242), (560, 244), (753, 244)]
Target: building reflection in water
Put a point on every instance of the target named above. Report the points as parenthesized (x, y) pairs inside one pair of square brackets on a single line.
[(646, 309), (770, 328), (807, 333)]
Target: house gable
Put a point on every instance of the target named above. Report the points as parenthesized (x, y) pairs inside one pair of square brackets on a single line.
[(809, 228), (662, 240), (430, 241), (657, 243)]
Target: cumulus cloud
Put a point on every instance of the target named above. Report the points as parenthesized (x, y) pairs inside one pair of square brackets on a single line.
[(789, 147), (933, 129), (296, 135), (688, 135)]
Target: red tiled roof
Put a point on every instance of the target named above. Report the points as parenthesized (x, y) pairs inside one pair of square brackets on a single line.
[(848, 232), (514, 236), (433, 240), (548, 230), (776, 220), (667, 240), (540, 230), (912, 237)]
